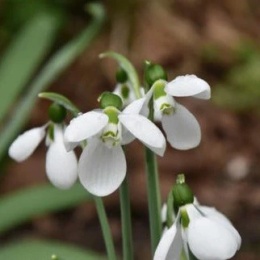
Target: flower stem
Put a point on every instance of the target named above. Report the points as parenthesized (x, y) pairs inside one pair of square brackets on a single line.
[(126, 223), (154, 200), (105, 228)]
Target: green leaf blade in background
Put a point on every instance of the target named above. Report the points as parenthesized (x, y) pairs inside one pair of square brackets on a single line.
[(21, 206), (126, 65), (43, 250), (56, 65), (24, 55)]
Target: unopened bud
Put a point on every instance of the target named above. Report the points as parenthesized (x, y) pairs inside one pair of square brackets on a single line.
[(182, 193), (57, 113), (153, 72)]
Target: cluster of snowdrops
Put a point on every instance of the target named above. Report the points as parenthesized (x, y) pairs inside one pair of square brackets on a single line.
[(128, 113)]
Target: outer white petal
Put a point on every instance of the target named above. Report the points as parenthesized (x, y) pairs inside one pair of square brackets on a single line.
[(101, 169), (25, 144), (170, 245), (188, 85), (61, 166), (135, 107), (144, 130), (85, 126), (209, 240), (182, 129), (215, 215)]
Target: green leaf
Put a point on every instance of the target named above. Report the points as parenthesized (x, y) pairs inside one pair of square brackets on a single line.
[(21, 206), (126, 65), (24, 55), (44, 250), (61, 100), (56, 65)]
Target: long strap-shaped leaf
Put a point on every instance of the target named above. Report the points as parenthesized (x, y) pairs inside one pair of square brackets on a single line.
[(44, 250), (23, 57), (58, 63), (21, 206)]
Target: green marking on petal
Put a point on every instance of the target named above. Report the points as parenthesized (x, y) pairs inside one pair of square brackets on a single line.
[(184, 218), (159, 86), (112, 114), (125, 91), (167, 109)]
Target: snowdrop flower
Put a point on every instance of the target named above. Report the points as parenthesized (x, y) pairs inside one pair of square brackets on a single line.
[(125, 92), (102, 164), (204, 231), (181, 127), (124, 88), (209, 235), (61, 166)]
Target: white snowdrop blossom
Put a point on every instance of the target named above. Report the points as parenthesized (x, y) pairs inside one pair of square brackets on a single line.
[(61, 166), (102, 164), (125, 92), (181, 127), (206, 232)]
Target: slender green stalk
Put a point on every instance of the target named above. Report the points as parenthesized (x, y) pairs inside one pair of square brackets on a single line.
[(105, 228), (154, 200), (153, 192), (126, 223)]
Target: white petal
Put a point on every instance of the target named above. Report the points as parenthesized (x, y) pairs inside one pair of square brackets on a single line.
[(127, 137), (188, 85), (101, 169), (25, 144), (135, 107), (144, 130), (215, 215), (85, 126), (182, 129), (170, 245), (70, 145), (209, 240), (61, 166)]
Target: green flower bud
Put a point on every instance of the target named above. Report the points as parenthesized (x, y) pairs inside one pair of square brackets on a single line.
[(107, 99), (121, 76), (57, 113), (153, 72), (182, 193)]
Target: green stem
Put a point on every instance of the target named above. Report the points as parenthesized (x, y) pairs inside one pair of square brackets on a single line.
[(105, 228), (154, 200), (126, 223)]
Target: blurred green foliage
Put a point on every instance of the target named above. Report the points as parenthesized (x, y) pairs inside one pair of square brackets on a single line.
[(44, 250), (240, 90)]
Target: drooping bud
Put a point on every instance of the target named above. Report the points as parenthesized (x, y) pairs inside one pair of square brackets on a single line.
[(182, 193), (57, 113), (121, 76), (107, 99), (153, 72)]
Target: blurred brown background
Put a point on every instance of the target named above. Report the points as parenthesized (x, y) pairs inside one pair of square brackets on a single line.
[(216, 40)]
